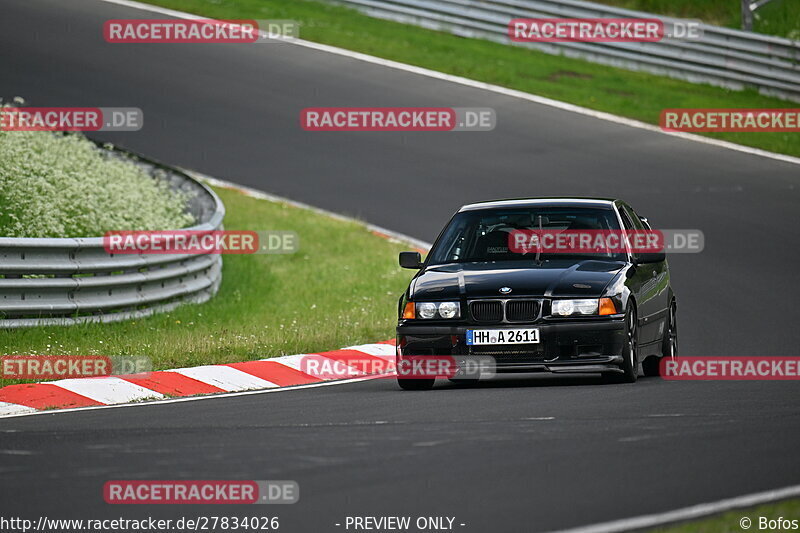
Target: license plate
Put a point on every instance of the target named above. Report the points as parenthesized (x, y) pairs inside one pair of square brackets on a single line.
[(502, 336)]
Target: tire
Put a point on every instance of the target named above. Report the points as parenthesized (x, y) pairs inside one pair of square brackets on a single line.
[(416, 384), (669, 344), (630, 352), (650, 366)]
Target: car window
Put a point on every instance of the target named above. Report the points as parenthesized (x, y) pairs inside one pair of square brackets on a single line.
[(626, 219), (634, 218), (483, 235), (632, 221)]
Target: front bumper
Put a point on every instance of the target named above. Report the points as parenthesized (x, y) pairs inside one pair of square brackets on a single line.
[(568, 346)]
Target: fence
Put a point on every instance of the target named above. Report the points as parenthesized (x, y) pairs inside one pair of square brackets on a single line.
[(67, 281), (722, 57)]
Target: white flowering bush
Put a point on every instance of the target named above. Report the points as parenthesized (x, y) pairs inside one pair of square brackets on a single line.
[(64, 186)]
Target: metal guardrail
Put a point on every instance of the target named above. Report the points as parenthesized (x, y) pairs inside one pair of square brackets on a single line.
[(722, 57), (69, 281)]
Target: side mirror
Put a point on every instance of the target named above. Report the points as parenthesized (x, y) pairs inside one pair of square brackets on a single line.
[(654, 257), (410, 260)]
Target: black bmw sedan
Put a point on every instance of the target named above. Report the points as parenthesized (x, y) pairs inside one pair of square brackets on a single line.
[(494, 286)]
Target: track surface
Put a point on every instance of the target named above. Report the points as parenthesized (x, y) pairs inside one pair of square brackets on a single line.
[(482, 455)]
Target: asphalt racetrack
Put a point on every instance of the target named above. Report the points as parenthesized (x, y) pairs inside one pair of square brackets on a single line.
[(514, 454)]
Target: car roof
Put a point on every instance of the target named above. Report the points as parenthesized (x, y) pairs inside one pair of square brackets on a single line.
[(531, 202)]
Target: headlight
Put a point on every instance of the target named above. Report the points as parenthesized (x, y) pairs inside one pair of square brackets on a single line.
[(430, 310), (448, 310), (426, 310), (574, 307), (584, 306)]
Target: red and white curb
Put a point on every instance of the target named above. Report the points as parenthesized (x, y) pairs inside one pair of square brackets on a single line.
[(352, 362)]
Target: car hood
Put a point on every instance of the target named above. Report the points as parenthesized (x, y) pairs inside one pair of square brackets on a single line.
[(564, 278)]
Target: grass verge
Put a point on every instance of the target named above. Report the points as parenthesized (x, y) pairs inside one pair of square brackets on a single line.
[(730, 522), (340, 289), (630, 94)]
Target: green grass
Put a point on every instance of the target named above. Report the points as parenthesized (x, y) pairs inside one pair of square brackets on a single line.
[(340, 289), (630, 94), (729, 522), (779, 17), (64, 186)]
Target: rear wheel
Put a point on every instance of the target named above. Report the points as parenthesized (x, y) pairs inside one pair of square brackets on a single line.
[(630, 352), (416, 384), (650, 366), (669, 343)]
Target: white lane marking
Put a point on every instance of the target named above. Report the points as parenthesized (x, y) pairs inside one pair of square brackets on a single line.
[(224, 377), (13, 408), (192, 398), (636, 438), (107, 390), (688, 513), (487, 87), (16, 452)]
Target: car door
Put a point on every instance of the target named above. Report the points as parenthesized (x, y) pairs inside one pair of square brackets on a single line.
[(636, 276), (654, 288)]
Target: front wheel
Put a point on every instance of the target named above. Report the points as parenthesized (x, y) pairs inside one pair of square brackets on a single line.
[(416, 384), (630, 352)]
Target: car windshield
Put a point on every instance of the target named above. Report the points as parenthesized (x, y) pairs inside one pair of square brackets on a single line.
[(483, 235)]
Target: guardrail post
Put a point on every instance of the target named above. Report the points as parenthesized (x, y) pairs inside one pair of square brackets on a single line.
[(747, 16), (748, 9)]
